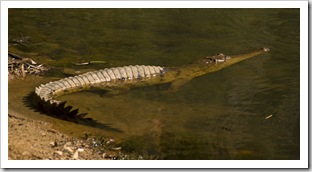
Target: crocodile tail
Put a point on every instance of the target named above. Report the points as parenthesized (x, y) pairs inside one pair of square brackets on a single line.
[(46, 93), (44, 97), (60, 110)]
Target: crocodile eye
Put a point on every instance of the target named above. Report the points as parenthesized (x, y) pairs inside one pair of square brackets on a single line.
[(265, 49), (208, 60), (221, 60)]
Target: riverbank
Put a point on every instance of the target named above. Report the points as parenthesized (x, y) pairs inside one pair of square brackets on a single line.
[(30, 139)]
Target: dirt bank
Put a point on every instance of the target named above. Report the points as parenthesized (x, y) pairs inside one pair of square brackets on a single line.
[(30, 139)]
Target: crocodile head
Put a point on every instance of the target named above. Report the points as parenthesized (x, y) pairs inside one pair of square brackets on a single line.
[(216, 59), (220, 61)]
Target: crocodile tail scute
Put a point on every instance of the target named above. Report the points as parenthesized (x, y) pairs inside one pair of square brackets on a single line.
[(46, 93), (60, 110)]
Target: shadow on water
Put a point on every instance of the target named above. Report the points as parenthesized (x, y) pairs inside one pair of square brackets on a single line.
[(71, 116)]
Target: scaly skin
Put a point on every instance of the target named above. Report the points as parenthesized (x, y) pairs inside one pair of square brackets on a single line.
[(130, 76)]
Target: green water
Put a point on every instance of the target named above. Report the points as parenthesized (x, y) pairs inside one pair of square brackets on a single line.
[(217, 116)]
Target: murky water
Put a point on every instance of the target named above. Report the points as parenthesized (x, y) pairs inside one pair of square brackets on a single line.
[(217, 116)]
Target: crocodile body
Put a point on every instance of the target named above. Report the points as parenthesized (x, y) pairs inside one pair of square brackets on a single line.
[(127, 77)]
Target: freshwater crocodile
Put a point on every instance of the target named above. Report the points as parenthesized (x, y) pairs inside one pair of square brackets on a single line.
[(127, 77)]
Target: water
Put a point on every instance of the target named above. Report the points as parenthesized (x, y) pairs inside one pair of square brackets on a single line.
[(216, 116)]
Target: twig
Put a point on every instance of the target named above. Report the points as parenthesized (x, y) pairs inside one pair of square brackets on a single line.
[(87, 63)]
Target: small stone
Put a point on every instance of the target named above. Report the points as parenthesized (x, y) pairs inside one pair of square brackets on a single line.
[(52, 144), (59, 153), (116, 148), (75, 156), (67, 144), (109, 141), (69, 149)]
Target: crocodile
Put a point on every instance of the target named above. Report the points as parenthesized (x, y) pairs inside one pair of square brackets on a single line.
[(128, 77)]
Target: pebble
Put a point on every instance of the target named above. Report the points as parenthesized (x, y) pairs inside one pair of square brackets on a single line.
[(59, 153), (109, 141), (67, 144), (104, 155), (69, 149), (76, 155), (53, 144), (116, 148)]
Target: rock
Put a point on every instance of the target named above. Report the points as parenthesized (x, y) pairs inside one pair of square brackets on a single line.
[(75, 156), (59, 153), (68, 149), (68, 144), (116, 148), (53, 144), (110, 140)]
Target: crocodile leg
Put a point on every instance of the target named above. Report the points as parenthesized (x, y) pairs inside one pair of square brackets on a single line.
[(176, 84)]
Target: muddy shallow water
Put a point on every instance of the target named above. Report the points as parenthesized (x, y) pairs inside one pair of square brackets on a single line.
[(247, 111)]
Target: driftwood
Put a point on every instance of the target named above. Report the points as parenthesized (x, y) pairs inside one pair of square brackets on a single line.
[(20, 67), (87, 63)]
